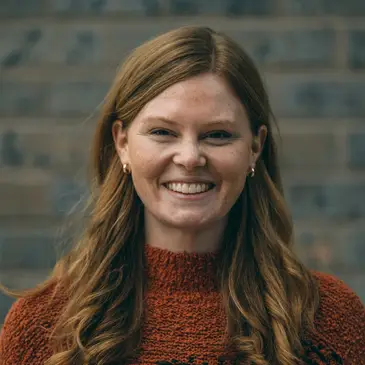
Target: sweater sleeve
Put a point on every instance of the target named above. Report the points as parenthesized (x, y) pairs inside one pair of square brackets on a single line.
[(356, 351), (24, 338), (24, 335), (341, 319)]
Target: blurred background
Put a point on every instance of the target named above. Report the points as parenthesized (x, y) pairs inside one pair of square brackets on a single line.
[(58, 58)]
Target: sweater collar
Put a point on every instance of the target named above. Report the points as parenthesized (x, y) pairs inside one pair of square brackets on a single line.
[(181, 271)]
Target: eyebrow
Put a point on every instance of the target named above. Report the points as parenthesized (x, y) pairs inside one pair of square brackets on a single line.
[(212, 123)]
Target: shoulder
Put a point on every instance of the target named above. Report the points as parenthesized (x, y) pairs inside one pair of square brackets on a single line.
[(27, 326), (340, 319), (333, 291)]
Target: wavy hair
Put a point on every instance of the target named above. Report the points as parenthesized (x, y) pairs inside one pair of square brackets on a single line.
[(270, 297)]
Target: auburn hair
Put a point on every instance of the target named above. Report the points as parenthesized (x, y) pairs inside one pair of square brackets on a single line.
[(270, 297)]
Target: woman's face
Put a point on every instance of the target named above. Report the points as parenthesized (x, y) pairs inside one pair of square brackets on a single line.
[(189, 151)]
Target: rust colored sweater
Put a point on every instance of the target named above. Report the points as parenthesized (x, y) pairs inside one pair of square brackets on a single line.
[(185, 321)]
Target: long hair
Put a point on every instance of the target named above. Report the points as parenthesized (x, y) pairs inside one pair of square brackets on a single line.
[(270, 298)]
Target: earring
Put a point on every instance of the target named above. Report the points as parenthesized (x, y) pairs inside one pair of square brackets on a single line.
[(126, 169), (252, 173)]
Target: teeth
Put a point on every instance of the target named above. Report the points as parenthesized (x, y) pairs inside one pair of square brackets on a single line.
[(188, 188)]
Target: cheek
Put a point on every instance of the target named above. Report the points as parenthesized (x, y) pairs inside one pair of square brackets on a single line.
[(233, 166), (145, 160)]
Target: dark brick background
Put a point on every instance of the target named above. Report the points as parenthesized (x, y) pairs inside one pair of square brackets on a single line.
[(58, 57)]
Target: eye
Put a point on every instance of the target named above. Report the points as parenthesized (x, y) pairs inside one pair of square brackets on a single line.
[(218, 136), (161, 132)]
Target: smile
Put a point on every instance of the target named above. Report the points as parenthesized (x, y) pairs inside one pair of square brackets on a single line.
[(189, 188)]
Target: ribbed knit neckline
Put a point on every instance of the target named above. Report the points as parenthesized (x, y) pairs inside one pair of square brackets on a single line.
[(181, 271)]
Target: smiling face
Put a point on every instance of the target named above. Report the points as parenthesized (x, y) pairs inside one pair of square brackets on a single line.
[(189, 150)]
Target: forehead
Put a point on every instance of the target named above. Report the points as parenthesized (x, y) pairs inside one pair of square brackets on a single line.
[(205, 96)]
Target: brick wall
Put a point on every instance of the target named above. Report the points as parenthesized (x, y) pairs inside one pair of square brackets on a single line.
[(58, 57)]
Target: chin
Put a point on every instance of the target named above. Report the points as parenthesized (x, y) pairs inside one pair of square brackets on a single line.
[(189, 222)]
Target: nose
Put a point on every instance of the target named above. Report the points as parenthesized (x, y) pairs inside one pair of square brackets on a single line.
[(189, 156)]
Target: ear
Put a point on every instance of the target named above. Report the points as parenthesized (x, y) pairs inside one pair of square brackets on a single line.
[(258, 142), (119, 133)]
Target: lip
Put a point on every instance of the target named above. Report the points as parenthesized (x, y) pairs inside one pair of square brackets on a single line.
[(189, 181)]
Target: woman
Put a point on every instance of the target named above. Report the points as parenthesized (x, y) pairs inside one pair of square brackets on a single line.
[(187, 257)]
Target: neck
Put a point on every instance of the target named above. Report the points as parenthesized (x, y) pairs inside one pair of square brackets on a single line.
[(178, 239)]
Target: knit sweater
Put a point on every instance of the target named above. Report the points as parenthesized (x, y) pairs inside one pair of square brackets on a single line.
[(185, 322)]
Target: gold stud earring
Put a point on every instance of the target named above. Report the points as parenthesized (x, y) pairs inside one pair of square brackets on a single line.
[(126, 169)]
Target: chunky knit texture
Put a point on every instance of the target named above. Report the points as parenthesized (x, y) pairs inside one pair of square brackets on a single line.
[(185, 320)]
